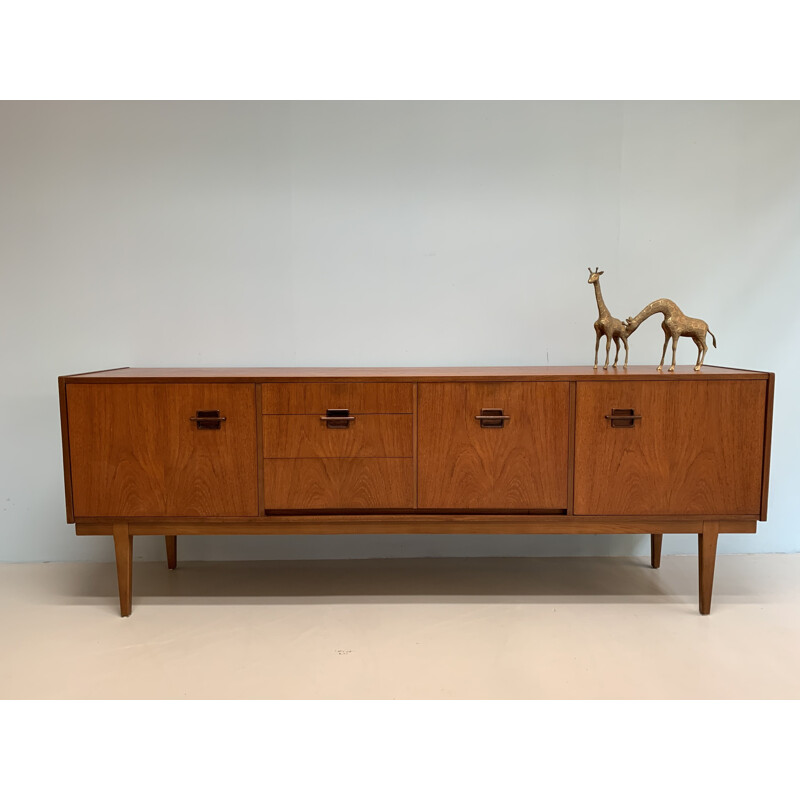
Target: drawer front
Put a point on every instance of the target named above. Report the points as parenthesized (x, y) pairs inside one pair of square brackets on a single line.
[(134, 450), (316, 398), (338, 483), (308, 436), (696, 449), (522, 465)]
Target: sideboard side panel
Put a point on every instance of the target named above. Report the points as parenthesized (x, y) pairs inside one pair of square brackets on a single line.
[(767, 446), (62, 401)]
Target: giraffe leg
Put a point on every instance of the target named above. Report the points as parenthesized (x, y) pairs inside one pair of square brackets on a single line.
[(625, 342), (608, 351), (703, 355), (664, 351), (596, 348), (674, 352), (699, 353), (616, 355)]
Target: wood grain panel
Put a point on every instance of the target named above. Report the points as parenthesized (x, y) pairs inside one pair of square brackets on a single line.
[(134, 452), (698, 448), (316, 398), (211, 472), (368, 436), (520, 466), (320, 483), (117, 458)]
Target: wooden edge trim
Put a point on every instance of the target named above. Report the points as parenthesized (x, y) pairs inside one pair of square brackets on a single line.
[(93, 372), (260, 451), (62, 401), (99, 376), (738, 369), (412, 525), (767, 447), (573, 392)]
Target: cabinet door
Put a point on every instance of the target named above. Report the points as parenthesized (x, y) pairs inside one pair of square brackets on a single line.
[(697, 449), (135, 452), (522, 465)]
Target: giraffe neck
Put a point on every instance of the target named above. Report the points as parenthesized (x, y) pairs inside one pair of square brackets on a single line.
[(662, 306), (601, 306)]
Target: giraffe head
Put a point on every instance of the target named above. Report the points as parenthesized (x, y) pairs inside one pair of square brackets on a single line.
[(594, 276)]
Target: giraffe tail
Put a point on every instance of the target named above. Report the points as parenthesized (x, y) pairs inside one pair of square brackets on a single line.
[(713, 339)]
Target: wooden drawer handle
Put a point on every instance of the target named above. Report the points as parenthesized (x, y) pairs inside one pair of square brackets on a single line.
[(622, 417), (492, 418), (338, 418), (208, 420)]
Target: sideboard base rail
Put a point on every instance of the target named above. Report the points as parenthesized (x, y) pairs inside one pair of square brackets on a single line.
[(707, 534), (424, 524)]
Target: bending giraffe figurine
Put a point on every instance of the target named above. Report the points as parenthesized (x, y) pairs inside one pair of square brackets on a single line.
[(675, 324), (606, 325)]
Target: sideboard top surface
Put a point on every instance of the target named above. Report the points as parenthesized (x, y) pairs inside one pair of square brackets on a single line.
[(415, 374)]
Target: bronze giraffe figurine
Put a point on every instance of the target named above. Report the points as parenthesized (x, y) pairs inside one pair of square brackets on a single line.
[(675, 324), (606, 325)]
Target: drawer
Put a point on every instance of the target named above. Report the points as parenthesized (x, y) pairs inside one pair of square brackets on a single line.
[(338, 483), (316, 398), (368, 435)]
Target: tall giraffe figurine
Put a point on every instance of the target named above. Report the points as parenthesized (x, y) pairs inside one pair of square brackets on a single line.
[(606, 325), (675, 324)]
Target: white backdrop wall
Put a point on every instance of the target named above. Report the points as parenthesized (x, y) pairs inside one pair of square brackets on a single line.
[(381, 234)]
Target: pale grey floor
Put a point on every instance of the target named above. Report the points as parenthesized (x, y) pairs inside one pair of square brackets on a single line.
[(423, 628)]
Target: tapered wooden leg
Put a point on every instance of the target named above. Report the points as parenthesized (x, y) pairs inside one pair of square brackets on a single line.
[(655, 549), (172, 551), (707, 554), (123, 546)]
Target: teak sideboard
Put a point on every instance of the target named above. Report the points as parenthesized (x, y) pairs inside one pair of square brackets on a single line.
[(496, 450)]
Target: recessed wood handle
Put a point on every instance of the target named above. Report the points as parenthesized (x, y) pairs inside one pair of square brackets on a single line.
[(338, 418), (622, 417), (492, 418), (208, 420)]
